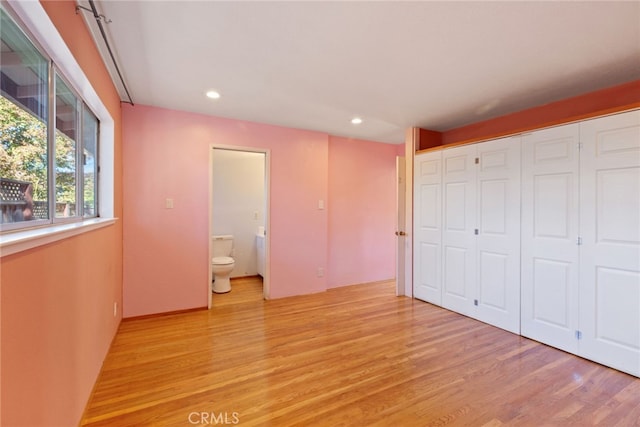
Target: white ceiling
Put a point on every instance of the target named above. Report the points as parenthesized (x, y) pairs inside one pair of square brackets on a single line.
[(396, 64)]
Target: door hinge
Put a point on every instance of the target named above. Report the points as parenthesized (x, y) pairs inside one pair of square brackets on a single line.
[(578, 240), (477, 160), (578, 335), (579, 145), (476, 232), (475, 302)]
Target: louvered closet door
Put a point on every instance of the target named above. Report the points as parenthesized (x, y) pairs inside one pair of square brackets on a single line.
[(610, 227), (427, 227), (458, 222), (498, 239), (550, 267)]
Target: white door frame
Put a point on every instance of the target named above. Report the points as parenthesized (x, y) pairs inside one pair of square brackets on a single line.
[(266, 284)]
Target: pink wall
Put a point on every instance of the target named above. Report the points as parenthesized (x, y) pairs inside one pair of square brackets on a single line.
[(57, 326), (57, 300), (166, 155), (362, 211)]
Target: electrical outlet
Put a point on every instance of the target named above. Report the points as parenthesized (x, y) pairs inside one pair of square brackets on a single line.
[(115, 308), (168, 203), (320, 272)]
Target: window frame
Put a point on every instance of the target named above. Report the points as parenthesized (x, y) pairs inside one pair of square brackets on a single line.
[(96, 194), (35, 22), (79, 147), (55, 79), (13, 226)]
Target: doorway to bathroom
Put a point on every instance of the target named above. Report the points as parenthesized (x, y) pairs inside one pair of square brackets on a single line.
[(239, 207)]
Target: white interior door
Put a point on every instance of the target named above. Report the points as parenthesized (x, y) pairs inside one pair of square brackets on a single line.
[(428, 227), (458, 226), (498, 241), (550, 257), (610, 227), (400, 223)]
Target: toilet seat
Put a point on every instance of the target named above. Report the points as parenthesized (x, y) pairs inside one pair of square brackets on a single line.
[(222, 260)]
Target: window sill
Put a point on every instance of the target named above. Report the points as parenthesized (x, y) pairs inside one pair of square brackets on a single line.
[(19, 241)]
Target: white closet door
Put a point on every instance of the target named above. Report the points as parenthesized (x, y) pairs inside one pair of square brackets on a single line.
[(458, 238), (610, 226), (427, 284), (498, 240), (550, 257)]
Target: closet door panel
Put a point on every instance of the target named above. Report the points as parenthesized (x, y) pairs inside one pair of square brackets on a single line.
[(498, 239), (428, 228), (610, 224), (457, 280), (552, 284), (553, 201), (493, 281), (458, 239), (549, 232)]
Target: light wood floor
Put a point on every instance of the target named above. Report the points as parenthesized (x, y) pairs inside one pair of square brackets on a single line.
[(353, 356)]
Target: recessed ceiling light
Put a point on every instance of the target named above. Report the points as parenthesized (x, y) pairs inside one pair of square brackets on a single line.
[(213, 94), (356, 120)]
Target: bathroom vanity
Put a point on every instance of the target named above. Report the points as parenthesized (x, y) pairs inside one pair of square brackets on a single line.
[(260, 252)]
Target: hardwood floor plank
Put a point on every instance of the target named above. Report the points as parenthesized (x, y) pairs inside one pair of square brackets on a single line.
[(353, 356)]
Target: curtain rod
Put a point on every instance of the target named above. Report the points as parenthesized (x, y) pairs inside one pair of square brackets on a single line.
[(99, 19)]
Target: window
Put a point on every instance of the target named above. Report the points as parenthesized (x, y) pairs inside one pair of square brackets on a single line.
[(89, 163), (48, 168), (24, 74)]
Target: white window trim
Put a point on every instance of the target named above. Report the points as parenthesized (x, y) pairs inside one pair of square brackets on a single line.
[(27, 239), (38, 23)]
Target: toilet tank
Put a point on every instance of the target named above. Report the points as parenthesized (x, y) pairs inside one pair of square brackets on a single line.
[(222, 245)]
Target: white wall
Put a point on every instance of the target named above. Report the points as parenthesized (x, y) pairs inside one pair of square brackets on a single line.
[(239, 203)]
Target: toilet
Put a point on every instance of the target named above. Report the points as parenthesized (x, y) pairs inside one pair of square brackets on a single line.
[(222, 264)]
